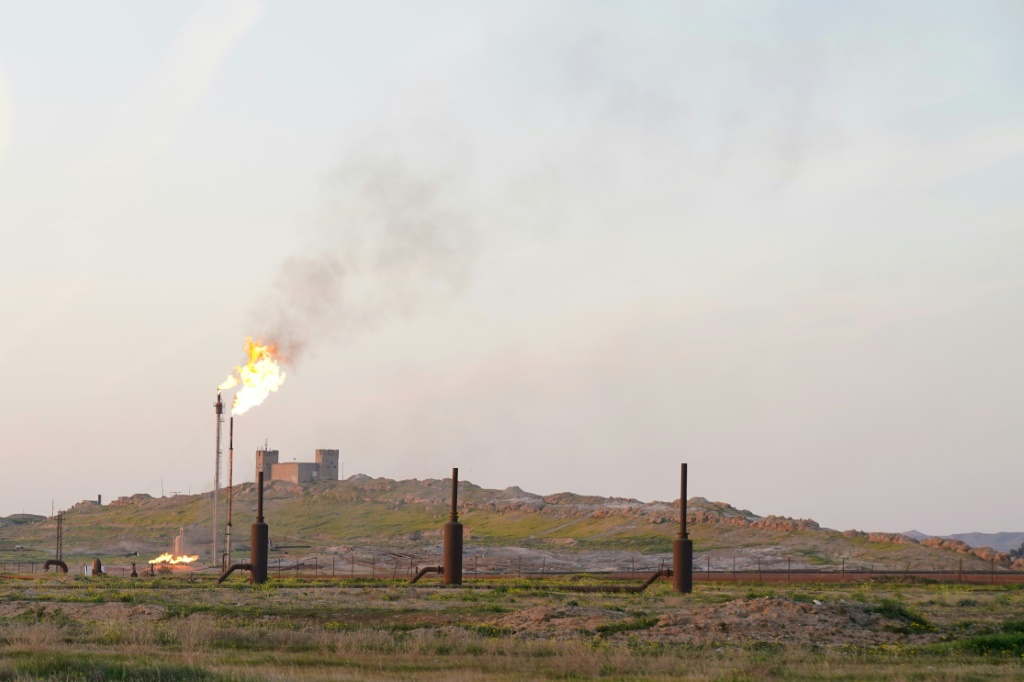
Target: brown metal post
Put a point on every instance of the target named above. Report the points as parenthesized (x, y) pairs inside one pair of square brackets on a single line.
[(259, 541), (453, 538), (682, 547), (231, 466)]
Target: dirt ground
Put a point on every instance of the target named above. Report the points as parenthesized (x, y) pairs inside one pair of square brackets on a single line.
[(769, 619)]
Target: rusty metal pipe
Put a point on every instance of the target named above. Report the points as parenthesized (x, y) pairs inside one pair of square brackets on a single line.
[(426, 569), (259, 496), (664, 573), (452, 554), (682, 504), (236, 567), (260, 539), (627, 589), (682, 546)]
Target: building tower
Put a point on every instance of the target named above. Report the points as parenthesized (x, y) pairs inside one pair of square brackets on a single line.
[(265, 460), (328, 461)]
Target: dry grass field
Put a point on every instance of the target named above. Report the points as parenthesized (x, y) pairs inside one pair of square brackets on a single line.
[(167, 628)]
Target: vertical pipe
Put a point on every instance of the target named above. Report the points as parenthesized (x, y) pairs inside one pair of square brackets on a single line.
[(260, 535), (454, 515), (682, 547), (219, 410), (682, 504), (259, 496), (231, 468), (453, 538)]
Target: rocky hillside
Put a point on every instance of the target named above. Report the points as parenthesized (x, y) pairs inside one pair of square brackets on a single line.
[(337, 516), (1003, 542)]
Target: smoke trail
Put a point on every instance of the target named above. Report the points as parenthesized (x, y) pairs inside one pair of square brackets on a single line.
[(392, 246)]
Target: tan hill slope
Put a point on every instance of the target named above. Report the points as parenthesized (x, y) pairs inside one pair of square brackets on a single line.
[(333, 517)]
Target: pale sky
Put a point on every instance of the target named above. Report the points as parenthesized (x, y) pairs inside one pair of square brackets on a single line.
[(560, 245)]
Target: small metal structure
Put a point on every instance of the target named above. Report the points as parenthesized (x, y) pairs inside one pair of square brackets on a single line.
[(682, 548), (179, 543), (452, 556)]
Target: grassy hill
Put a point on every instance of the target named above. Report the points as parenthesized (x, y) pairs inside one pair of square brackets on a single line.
[(331, 517)]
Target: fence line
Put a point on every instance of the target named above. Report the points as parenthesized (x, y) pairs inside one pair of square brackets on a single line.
[(403, 565)]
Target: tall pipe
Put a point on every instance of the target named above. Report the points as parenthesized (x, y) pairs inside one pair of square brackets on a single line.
[(259, 541), (453, 538), (259, 496), (231, 469), (682, 547), (219, 410)]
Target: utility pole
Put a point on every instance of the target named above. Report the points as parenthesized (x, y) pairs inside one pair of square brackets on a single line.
[(219, 409), (60, 536), (231, 467)]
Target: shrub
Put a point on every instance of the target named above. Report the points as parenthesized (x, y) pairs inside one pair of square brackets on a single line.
[(1004, 643), (896, 610), (637, 623), (1013, 626)]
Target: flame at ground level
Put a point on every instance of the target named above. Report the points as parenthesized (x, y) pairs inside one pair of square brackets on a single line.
[(167, 558)]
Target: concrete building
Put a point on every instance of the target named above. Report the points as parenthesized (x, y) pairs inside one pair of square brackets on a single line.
[(325, 468)]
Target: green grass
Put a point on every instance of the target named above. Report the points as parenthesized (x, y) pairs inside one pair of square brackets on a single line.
[(89, 667)]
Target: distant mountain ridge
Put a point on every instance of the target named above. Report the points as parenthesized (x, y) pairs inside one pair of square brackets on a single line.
[(1004, 542)]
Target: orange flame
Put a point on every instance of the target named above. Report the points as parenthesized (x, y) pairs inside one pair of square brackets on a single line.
[(259, 377), (171, 559)]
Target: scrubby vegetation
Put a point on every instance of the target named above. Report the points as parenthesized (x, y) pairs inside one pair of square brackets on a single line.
[(76, 628)]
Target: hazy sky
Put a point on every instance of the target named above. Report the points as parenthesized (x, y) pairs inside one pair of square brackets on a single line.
[(561, 245)]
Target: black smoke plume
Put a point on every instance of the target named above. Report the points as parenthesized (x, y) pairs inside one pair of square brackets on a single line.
[(389, 246)]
